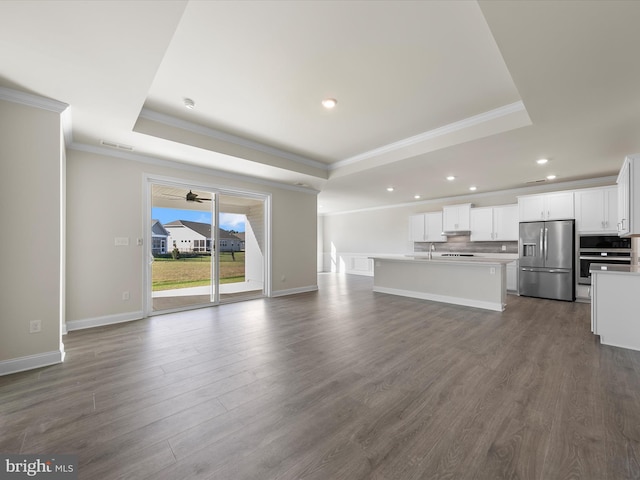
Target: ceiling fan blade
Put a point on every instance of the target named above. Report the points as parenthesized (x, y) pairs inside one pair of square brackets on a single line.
[(192, 197)]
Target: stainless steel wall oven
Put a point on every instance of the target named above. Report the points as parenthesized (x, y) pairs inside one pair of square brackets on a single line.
[(608, 249)]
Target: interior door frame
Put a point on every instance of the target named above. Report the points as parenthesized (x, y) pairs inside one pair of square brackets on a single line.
[(147, 258)]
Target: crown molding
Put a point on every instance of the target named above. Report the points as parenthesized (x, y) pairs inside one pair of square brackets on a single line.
[(431, 134), (136, 157), (31, 100), (520, 191), (227, 137)]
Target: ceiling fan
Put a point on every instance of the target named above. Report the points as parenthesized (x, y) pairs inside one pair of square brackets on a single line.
[(189, 197), (193, 197)]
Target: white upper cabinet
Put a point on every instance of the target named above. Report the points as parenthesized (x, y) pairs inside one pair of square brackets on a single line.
[(416, 228), (426, 227), (546, 206), (456, 217), (481, 224), (629, 197), (597, 210), (494, 223), (433, 222), (506, 223)]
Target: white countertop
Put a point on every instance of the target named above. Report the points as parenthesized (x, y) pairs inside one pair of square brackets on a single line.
[(424, 258), (614, 269), (494, 256)]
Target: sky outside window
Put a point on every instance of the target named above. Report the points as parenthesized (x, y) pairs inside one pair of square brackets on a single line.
[(228, 221)]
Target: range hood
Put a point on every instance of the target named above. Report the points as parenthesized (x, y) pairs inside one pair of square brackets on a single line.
[(453, 233)]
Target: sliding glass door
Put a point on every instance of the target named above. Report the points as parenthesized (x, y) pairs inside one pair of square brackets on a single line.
[(206, 247), (241, 243)]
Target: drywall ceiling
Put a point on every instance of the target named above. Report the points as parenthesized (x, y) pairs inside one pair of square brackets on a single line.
[(424, 89)]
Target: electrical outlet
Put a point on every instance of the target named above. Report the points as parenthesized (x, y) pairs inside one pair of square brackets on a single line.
[(121, 241), (125, 296), (504, 248), (35, 326), (492, 270), (139, 242)]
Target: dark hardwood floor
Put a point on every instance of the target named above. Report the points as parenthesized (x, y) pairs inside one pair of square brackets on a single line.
[(342, 383)]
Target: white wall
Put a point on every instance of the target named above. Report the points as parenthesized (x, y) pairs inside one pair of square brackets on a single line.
[(31, 200), (104, 198), (254, 256), (294, 241)]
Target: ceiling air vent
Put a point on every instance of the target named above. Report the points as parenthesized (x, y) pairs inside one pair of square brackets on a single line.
[(119, 146), (538, 181)]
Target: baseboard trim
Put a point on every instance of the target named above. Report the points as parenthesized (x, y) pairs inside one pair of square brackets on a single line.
[(497, 307), (294, 291), (15, 365), (103, 321)]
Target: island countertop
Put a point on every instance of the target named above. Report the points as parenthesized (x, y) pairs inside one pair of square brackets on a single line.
[(615, 269), (472, 281), (456, 260)]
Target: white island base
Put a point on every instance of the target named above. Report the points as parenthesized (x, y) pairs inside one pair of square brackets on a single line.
[(479, 283), (615, 304)]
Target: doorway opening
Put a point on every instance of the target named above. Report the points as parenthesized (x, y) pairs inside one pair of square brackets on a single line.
[(207, 246)]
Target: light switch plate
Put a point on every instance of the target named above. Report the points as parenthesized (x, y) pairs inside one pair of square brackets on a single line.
[(121, 241)]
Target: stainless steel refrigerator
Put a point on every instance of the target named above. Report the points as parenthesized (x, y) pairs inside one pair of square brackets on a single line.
[(547, 260)]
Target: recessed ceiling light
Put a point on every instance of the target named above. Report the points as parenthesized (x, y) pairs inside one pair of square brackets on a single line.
[(190, 104), (542, 161), (551, 177), (329, 103), (451, 177), (473, 188), (390, 189), (416, 197)]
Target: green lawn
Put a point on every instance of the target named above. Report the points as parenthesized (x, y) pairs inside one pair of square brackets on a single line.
[(168, 273)]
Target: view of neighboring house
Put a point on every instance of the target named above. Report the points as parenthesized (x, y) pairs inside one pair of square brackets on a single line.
[(159, 236), (240, 235), (189, 236), (229, 242)]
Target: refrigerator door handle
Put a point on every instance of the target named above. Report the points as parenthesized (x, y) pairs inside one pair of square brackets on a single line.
[(541, 244), (546, 236)]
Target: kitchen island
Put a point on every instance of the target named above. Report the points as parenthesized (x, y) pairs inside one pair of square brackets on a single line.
[(615, 304), (471, 281)]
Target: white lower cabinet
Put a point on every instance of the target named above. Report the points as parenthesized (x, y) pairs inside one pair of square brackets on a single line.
[(615, 304), (512, 276)]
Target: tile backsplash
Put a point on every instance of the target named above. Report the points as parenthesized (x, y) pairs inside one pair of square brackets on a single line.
[(462, 244)]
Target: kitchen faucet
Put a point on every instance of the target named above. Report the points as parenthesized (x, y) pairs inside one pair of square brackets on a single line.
[(432, 249)]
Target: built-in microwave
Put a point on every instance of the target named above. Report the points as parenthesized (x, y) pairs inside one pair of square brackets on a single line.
[(608, 249)]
